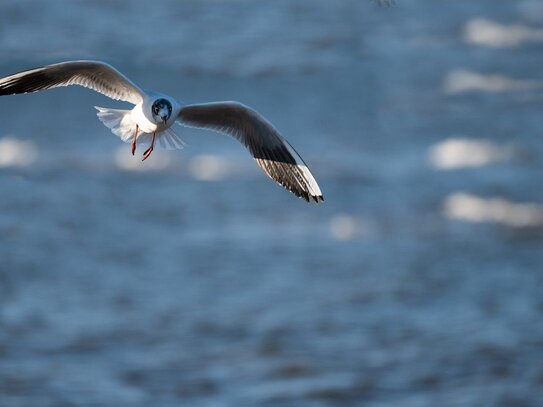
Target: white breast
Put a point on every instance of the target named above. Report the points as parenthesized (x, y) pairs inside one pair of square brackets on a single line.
[(144, 123)]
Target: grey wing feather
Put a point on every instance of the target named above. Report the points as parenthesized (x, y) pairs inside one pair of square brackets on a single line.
[(94, 75), (273, 153)]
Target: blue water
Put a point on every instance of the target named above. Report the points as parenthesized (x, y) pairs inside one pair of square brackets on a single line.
[(414, 284)]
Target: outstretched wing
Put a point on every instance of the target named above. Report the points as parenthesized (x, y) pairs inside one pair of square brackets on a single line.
[(272, 152), (94, 75)]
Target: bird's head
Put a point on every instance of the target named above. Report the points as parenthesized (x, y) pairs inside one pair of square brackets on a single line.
[(162, 110)]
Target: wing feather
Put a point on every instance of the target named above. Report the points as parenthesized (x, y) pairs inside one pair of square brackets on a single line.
[(95, 75), (272, 152)]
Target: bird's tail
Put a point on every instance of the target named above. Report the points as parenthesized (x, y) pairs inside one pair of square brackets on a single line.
[(121, 123)]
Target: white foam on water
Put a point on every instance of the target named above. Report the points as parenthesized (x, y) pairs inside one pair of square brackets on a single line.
[(489, 33), (345, 227), (209, 167), (456, 153), (472, 208), (17, 153), (463, 80)]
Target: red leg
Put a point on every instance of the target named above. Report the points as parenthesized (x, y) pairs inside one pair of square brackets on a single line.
[(148, 152), (134, 141)]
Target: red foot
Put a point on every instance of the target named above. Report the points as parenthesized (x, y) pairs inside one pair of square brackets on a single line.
[(148, 152), (134, 141)]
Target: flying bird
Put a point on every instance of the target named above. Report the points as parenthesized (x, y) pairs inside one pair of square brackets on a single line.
[(153, 114)]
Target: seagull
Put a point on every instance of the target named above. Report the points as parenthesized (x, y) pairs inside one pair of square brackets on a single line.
[(153, 114)]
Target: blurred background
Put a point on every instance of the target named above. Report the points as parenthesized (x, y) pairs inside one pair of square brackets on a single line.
[(194, 280)]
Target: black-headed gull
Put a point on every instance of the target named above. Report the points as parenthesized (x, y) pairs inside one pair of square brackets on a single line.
[(154, 114)]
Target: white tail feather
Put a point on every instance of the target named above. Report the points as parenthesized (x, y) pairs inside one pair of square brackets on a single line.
[(121, 124), (119, 121), (175, 142)]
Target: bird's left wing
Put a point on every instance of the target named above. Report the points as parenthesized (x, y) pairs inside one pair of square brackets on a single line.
[(273, 153), (95, 75)]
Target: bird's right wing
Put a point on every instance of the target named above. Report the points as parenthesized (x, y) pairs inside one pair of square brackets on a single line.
[(95, 75), (273, 153)]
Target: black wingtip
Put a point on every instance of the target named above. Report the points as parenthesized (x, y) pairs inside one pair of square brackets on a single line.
[(313, 198)]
